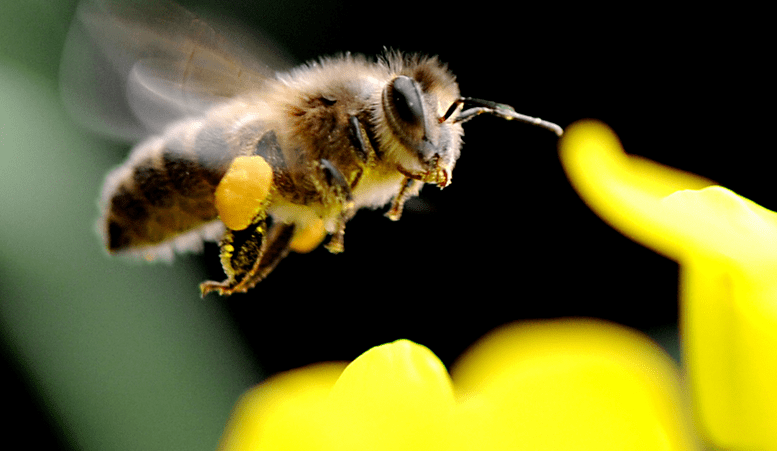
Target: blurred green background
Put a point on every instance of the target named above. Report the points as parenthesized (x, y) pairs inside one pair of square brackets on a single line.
[(106, 355), (116, 356)]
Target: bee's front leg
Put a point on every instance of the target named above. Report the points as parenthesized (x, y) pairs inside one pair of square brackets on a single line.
[(410, 188)]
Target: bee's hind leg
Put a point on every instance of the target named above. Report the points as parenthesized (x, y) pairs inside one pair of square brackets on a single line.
[(276, 248), (249, 255)]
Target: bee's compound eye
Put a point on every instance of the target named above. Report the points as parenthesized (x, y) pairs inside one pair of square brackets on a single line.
[(406, 100), (241, 193)]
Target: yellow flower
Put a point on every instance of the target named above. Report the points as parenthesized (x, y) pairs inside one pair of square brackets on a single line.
[(583, 385), (727, 250)]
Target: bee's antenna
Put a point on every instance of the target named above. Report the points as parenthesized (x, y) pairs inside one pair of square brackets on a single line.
[(480, 106)]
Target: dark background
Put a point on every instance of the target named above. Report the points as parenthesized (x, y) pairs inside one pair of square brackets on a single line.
[(508, 240)]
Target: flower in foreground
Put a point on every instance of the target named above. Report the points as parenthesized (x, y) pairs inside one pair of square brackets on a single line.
[(583, 385), (726, 246)]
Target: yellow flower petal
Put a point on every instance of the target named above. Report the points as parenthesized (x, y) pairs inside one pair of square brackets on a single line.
[(397, 396), (626, 191), (574, 384), (730, 348), (543, 386), (283, 413), (727, 249), (716, 222)]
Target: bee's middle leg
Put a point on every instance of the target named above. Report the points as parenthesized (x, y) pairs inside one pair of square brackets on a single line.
[(342, 194)]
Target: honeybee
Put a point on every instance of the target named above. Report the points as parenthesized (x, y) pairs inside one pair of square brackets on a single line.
[(266, 162)]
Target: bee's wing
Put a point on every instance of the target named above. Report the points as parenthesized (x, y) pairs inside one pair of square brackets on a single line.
[(132, 67)]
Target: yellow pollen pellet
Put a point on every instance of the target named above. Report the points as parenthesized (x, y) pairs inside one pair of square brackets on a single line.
[(241, 193), (308, 238)]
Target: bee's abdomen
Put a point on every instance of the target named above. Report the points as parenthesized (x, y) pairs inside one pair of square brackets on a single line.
[(159, 197)]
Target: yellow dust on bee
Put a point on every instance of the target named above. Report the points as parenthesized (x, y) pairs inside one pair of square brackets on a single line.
[(242, 191)]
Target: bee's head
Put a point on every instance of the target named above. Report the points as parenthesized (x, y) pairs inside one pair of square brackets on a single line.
[(420, 115), (412, 131)]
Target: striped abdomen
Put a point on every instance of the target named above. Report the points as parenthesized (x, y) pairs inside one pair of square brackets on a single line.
[(167, 186)]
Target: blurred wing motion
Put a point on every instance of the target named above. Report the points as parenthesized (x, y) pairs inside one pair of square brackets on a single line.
[(132, 67), (149, 72)]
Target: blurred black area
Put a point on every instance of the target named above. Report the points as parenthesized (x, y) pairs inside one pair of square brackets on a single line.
[(509, 239)]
